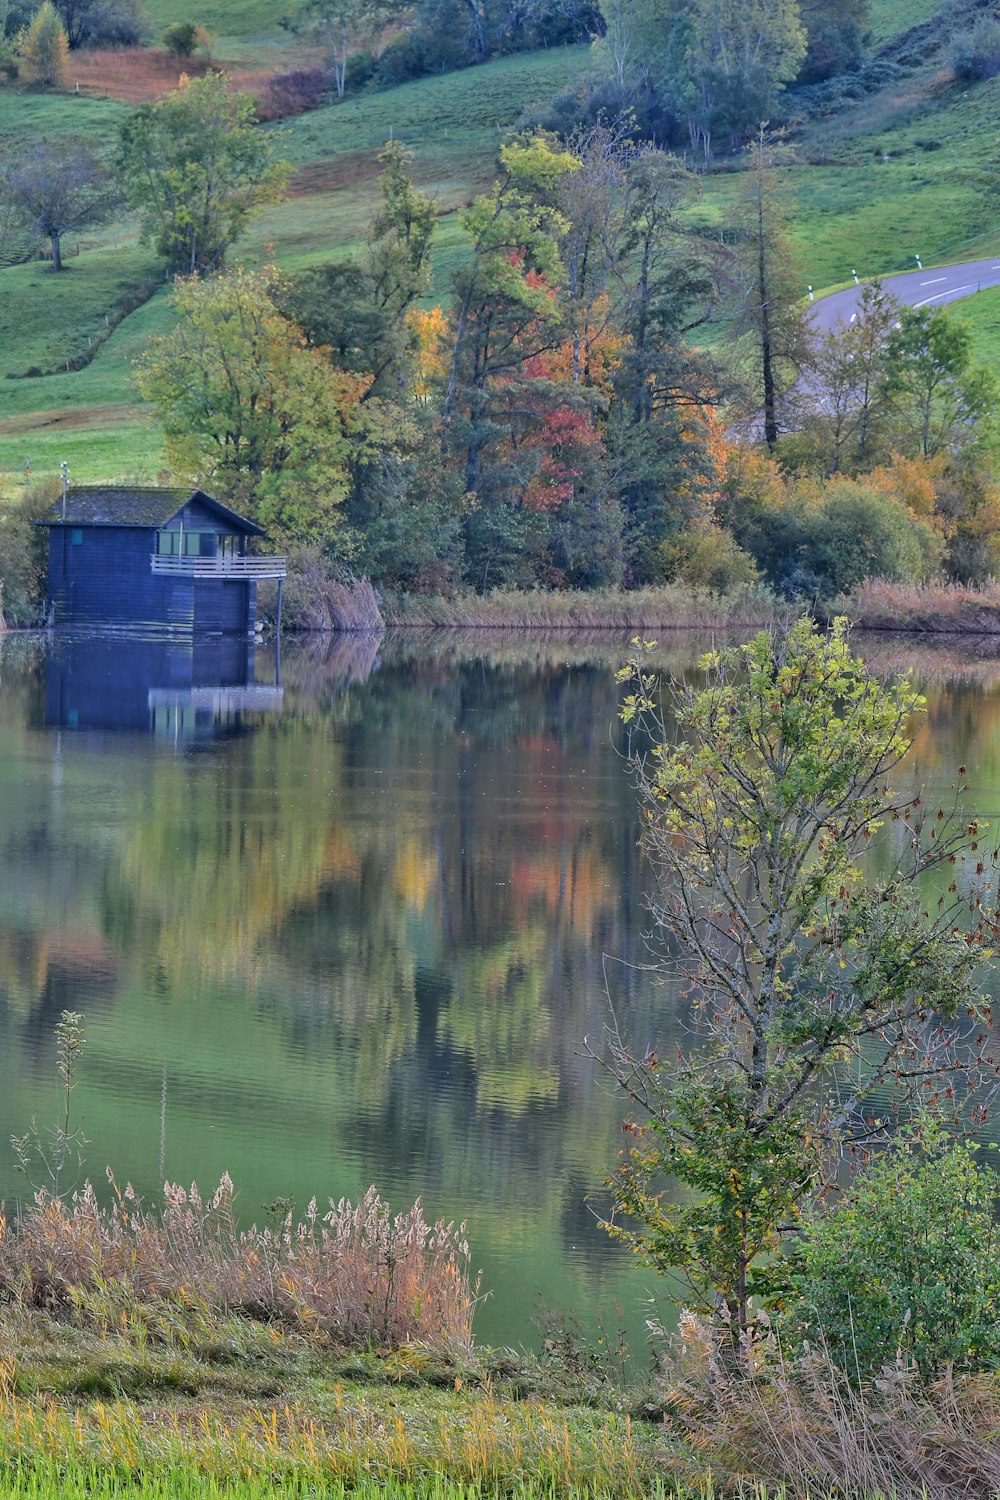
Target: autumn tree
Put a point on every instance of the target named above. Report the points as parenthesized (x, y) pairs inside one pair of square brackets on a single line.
[(506, 314), (250, 410), (196, 168), (816, 984), (45, 49), (56, 188)]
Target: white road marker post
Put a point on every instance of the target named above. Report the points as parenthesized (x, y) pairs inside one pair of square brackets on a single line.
[(920, 264), (854, 273)]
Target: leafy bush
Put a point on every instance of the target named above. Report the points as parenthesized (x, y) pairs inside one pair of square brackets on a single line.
[(975, 55), (361, 69), (24, 555), (823, 540), (181, 38), (406, 58), (906, 1268)]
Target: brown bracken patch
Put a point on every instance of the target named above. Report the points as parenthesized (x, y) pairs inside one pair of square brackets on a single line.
[(138, 74)]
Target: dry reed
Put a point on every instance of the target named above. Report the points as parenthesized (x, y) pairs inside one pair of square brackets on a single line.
[(668, 607), (946, 607), (797, 1427), (357, 1275)]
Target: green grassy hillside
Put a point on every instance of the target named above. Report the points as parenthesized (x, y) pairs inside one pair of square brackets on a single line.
[(904, 171)]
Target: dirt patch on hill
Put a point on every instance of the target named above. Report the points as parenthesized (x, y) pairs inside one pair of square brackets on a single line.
[(331, 173), (71, 418)]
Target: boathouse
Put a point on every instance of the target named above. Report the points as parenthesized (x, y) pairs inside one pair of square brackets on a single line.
[(160, 560)]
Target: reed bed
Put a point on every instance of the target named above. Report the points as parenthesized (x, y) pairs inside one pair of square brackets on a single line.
[(668, 607), (354, 1276), (933, 607)]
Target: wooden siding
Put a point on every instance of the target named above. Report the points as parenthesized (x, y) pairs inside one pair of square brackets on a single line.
[(106, 579)]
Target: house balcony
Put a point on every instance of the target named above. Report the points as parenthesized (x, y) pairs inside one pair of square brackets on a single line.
[(235, 568)]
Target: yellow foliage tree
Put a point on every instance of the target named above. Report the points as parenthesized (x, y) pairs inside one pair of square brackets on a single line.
[(45, 48)]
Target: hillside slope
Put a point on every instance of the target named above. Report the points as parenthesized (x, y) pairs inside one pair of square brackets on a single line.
[(905, 170)]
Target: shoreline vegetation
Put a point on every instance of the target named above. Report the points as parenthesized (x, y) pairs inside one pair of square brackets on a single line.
[(125, 1369), (876, 605)]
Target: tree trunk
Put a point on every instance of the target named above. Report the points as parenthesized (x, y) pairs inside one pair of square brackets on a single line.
[(57, 264), (766, 356)]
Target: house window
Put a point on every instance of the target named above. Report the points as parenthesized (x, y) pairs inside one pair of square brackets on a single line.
[(166, 543), (76, 536)]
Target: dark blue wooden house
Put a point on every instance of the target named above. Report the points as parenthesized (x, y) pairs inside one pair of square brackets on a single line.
[(154, 559)]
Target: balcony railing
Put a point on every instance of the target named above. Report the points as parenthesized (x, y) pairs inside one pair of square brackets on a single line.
[(219, 567), (218, 700)]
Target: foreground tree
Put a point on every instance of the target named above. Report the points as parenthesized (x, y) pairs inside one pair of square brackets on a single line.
[(56, 188), (196, 168), (815, 985)]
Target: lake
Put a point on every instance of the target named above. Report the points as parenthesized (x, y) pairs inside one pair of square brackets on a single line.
[(353, 922)]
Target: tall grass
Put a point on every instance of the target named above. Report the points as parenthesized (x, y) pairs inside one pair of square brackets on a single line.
[(479, 1446), (668, 607), (354, 1276)]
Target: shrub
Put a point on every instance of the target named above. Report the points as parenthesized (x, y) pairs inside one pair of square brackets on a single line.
[(821, 540), (361, 69), (24, 555), (402, 60), (708, 557), (293, 92), (181, 38), (905, 1268), (975, 55)]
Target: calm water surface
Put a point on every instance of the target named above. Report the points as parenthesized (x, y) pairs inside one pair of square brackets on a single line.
[(355, 929)]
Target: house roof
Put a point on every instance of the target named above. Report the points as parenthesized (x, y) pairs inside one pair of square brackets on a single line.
[(120, 505)]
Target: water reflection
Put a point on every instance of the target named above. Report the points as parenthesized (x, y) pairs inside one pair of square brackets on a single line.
[(183, 691), (360, 939)]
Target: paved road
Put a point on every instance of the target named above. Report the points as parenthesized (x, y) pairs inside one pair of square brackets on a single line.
[(930, 288)]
